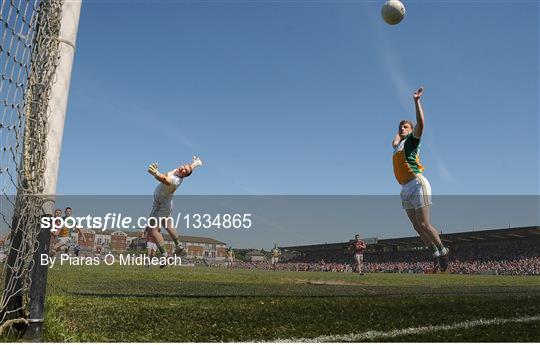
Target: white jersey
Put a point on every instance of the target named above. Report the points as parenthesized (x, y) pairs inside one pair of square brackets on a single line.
[(164, 192)]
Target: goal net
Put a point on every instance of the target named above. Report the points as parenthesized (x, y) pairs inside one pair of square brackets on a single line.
[(30, 53)]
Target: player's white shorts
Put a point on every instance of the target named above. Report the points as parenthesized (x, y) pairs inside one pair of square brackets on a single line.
[(416, 193), (151, 245), (161, 209), (275, 260), (359, 256), (63, 241), (229, 259)]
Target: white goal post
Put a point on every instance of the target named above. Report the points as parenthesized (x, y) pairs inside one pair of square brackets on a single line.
[(37, 46)]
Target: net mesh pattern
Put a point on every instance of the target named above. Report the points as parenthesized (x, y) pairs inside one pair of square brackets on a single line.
[(29, 56)]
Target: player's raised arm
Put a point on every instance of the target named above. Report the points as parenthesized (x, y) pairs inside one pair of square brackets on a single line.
[(419, 128), (396, 140), (153, 170)]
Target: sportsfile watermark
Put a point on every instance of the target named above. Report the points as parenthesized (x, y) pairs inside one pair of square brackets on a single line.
[(118, 221), (255, 221), (110, 259)]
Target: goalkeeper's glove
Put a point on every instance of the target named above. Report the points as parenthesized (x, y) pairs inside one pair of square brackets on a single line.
[(152, 169), (197, 162)]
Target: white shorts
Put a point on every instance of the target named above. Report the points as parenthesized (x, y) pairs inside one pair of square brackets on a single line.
[(359, 256), (275, 260), (161, 209), (416, 193), (229, 259), (63, 241), (151, 245)]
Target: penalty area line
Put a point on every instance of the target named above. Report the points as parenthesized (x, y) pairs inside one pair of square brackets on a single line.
[(371, 335)]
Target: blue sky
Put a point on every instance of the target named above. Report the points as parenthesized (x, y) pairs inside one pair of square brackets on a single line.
[(301, 97)]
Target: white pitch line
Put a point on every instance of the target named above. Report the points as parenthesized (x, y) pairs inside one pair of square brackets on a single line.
[(371, 335)]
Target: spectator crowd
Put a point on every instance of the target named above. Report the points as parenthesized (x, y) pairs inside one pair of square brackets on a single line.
[(507, 259)]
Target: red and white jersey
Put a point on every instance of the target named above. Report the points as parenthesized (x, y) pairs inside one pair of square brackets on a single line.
[(359, 246), (57, 227), (148, 237)]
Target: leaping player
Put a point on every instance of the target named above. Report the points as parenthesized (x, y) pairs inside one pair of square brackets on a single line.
[(276, 253), (358, 247), (415, 188), (163, 202)]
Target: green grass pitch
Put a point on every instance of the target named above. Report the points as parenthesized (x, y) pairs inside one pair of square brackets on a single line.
[(183, 304)]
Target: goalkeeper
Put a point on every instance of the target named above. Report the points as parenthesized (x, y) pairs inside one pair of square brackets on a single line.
[(163, 202)]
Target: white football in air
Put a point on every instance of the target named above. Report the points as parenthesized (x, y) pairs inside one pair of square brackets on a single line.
[(393, 12)]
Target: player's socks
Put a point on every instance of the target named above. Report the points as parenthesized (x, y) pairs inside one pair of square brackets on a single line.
[(443, 251), (180, 250), (162, 250), (176, 241), (444, 259), (436, 261), (164, 254)]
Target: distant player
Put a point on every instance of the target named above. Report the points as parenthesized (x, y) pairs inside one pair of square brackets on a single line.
[(163, 202), (151, 247), (358, 246), (229, 260), (98, 250), (276, 253), (68, 212), (415, 188), (62, 233)]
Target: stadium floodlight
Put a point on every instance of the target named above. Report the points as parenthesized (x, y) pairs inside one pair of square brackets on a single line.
[(37, 46)]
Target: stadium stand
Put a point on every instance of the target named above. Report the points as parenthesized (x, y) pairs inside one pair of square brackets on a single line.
[(500, 251)]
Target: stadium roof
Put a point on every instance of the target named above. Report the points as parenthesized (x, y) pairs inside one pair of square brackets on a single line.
[(196, 239), (496, 235)]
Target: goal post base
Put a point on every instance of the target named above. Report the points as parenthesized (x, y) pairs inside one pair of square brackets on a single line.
[(38, 288), (34, 332)]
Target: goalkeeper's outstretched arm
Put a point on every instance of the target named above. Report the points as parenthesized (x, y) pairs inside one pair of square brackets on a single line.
[(153, 170), (182, 171)]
